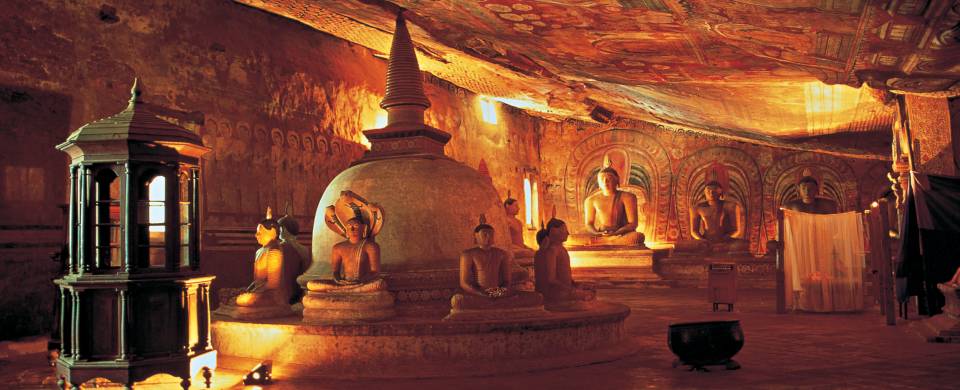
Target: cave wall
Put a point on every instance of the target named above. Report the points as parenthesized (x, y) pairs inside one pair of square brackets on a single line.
[(668, 169), (281, 104)]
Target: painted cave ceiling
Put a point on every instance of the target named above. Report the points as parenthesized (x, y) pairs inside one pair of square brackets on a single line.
[(761, 69)]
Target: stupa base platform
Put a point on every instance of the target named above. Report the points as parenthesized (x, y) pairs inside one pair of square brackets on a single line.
[(691, 271), (347, 308), (420, 346)]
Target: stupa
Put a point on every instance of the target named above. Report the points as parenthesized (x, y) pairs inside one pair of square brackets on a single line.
[(431, 203)]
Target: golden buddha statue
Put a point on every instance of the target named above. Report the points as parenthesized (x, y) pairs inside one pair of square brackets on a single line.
[(716, 225), (274, 287), (808, 188), (355, 262), (553, 276), (610, 216), (356, 290), (517, 246), (485, 282)]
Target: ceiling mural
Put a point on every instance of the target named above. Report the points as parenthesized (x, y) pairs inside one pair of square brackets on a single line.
[(779, 68)]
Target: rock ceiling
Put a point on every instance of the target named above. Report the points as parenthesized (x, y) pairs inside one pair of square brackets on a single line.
[(760, 69)]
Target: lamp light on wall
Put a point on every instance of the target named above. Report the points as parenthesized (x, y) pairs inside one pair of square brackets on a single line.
[(381, 120), (531, 197), (260, 375), (488, 108), (528, 201)]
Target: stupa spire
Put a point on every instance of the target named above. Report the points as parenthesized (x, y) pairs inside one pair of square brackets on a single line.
[(135, 92), (404, 83), (406, 134)]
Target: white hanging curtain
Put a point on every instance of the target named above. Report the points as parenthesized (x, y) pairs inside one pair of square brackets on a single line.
[(823, 261)]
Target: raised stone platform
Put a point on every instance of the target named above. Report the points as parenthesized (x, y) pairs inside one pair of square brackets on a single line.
[(610, 257), (614, 267), (690, 271), (426, 346), (256, 312)]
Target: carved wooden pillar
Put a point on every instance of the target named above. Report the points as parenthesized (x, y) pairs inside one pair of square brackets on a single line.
[(195, 219), (782, 292), (204, 313), (184, 325), (128, 211), (122, 325), (83, 258), (886, 261), (66, 332), (72, 220), (75, 324)]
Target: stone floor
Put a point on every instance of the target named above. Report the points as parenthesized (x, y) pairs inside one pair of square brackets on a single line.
[(792, 351)]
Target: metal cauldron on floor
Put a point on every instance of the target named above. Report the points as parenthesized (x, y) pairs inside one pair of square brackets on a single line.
[(699, 344)]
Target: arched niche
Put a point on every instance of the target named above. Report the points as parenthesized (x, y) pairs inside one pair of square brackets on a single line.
[(644, 167), (742, 185), (838, 182)]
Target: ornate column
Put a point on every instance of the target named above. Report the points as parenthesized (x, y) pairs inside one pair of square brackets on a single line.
[(122, 324), (83, 261), (203, 312), (183, 333), (66, 334), (71, 221), (129, 223), (75, 324)]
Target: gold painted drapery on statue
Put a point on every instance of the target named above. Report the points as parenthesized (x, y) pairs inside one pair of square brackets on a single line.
[(823, 261)]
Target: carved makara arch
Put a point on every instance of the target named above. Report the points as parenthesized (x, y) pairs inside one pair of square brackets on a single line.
[(741, 184), (644, 170)]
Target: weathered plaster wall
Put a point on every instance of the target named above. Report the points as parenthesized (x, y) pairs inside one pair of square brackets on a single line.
[(669, 169), (930, 128), (281, 104)]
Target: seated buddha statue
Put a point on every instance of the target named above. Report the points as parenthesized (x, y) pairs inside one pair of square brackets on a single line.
[(716, 225), (355, 262), (355, 292), (517, 246), (274, 287), (809, 202), (485, 281), (552, 273), (610, 216)]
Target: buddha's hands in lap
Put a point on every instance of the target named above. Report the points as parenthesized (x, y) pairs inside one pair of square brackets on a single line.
[(497, 292)]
